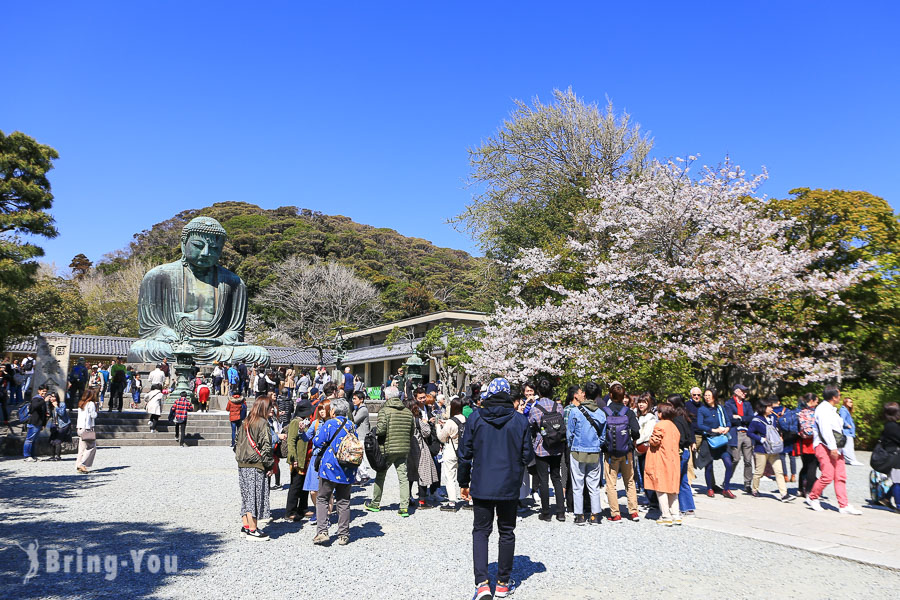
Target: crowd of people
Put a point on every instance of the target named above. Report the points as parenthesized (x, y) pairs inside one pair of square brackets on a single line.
[(489, 451)]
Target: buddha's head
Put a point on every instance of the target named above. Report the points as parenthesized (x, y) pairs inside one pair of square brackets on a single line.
[(202, 241)]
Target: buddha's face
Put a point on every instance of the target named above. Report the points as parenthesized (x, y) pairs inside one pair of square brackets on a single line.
[(203, 250)]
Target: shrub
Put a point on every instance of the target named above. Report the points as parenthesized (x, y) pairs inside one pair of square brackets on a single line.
[(868, 412)]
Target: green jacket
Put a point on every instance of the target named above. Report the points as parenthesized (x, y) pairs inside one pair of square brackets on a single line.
[(394, 428), (296, 446), (244, 453)]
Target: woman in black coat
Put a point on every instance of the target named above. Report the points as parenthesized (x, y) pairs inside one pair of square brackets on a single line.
[(890, 440)]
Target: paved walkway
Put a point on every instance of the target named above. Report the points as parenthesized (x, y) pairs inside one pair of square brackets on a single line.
[(873, 538)]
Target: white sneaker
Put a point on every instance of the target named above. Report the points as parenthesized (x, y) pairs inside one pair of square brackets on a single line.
[(30, 459), (814, 504), (849, 510)]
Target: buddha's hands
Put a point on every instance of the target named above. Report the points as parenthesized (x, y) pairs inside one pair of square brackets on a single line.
[(167, 334), (230, 338)]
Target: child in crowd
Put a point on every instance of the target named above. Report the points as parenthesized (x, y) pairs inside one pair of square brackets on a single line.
[(136, 386)]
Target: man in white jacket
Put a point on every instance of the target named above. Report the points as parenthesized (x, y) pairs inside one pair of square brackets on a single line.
[(831, 462)]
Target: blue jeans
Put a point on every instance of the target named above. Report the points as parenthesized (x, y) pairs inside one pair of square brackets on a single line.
[(729, 470), (17, 394), (685, 497), (235, 425), (33, 431)]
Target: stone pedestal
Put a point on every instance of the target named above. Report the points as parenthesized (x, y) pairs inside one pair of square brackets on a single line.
[(52, 363)]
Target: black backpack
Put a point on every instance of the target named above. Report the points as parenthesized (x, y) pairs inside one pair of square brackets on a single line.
[(552, 430), (376, 458), (461, 426)]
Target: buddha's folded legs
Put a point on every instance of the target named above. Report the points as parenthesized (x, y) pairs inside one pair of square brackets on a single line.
[(153, 351), (150, 351)]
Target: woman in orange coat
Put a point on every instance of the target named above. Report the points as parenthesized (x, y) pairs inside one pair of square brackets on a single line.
[(662, 468)]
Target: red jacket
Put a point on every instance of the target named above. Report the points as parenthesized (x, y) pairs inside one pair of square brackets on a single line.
[(182, 408), (203, 394), (234, 410)]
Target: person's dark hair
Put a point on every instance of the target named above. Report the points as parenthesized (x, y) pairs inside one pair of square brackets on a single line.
[(360, 394), (455, 407), (616, 393), (677, 402), (665, 411), (831, 392), (329, 388), (760, 405), (570, 392), (476, 389), (412, 405), (530, 384), (714, 395), (892, 412), (516, 393), (645, 397), (418, 390), (156, 386), (591, 390), (544, 389), (43, 386), (804, 400)]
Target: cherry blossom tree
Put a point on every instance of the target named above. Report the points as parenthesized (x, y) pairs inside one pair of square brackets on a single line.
[(668, 264)]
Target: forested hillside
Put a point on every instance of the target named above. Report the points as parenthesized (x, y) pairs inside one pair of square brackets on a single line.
[(413, 275)]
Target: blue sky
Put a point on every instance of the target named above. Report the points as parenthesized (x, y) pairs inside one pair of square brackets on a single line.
[(367, 109)]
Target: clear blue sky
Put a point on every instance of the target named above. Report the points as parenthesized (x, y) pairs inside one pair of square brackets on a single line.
[(366, 109)]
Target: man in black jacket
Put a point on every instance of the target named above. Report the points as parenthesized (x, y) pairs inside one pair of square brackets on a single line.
[(494, 451), (37, 418)]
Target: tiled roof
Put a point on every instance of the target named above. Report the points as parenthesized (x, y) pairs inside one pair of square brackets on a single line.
[(371, 353), (22, 347), (99, 345), (306, 357)]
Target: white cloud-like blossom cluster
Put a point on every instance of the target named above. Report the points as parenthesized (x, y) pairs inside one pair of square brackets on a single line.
[(675, 264)]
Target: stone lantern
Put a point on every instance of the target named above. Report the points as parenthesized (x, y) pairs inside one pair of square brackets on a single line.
[(413, 370)]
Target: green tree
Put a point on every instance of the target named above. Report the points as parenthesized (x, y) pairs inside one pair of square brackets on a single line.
[(53, 304), (859, 226), (25, 199), (449, 347), (80, 266), (530, 174)]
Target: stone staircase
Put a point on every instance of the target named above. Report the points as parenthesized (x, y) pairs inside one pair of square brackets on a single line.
[(130, 428)]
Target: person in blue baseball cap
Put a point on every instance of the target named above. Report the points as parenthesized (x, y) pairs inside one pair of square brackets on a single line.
[(494, 452)]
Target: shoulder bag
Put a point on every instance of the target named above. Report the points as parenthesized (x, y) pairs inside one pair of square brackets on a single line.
[(719, 440)]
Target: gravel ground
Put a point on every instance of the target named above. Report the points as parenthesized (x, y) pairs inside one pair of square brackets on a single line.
[(185, 502)]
